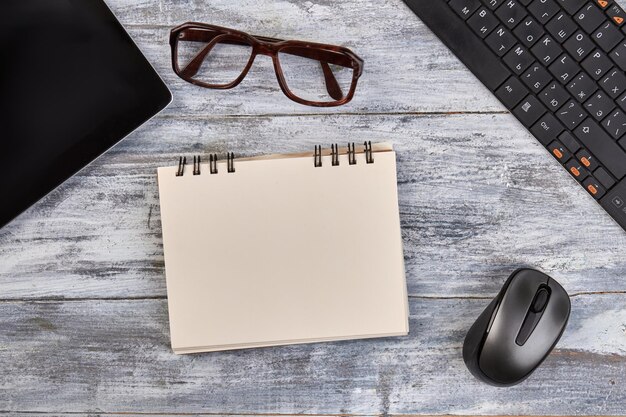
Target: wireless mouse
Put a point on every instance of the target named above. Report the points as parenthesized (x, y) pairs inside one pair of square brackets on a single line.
[(518, 329)]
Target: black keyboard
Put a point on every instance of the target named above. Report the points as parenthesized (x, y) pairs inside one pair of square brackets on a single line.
[(558, 66)]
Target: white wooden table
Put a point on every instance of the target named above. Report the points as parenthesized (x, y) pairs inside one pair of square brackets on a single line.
[(83, 310)]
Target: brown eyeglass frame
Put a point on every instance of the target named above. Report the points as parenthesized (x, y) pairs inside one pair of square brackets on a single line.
[(262, 45)]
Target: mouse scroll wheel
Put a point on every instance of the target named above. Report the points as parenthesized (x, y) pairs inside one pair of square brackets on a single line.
[(540, 300)]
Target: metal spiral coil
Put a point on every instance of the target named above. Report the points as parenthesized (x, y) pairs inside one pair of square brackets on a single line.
[(334, 153), (197, 161), (213, 163), (369, 158), (181, 166), (351, 154), (196, 165), (317, 156)]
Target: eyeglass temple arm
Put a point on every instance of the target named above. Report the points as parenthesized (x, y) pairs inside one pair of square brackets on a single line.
[(192, 68)]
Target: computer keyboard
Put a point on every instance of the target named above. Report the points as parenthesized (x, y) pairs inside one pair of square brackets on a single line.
[(558, 66)]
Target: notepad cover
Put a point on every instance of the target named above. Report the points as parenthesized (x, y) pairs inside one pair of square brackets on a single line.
[(282, 252)]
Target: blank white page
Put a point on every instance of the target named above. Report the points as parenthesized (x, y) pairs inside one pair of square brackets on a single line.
[(282, 252)]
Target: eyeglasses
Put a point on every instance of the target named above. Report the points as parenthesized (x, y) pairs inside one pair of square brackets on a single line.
[(309, 73)]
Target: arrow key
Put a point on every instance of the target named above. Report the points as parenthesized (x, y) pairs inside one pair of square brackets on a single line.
[(559, 151), (577, 169), (587, 159), (594, 188)]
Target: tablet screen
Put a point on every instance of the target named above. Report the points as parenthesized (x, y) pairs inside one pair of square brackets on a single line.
[(72, 84)]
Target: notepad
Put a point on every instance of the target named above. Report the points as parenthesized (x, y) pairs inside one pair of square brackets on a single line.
[(283, 249)]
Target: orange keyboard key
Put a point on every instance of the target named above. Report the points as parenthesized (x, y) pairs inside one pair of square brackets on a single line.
[(577, 169), (559, 151), (594, 188), (602, 3)]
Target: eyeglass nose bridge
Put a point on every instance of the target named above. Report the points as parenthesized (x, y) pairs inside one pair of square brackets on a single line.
[(266, 48)]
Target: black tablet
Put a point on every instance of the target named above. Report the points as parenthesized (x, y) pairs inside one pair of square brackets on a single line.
[(72, 84)]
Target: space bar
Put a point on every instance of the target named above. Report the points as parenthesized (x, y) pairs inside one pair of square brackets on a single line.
[(460, 39)]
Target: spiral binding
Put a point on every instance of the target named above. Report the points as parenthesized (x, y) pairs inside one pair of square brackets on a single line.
[(369, 158), (181, 166), (317, 159), (230, 161), (334, 153), (317, 156), (213, 163), (351, 154), (197, 160), (196, 165)]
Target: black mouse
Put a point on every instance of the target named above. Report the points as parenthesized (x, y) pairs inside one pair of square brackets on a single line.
[(518, 330)]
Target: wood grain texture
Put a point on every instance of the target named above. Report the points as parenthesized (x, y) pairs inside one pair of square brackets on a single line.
[(83, 317), (407, 69), (114, 357), (475, 204)]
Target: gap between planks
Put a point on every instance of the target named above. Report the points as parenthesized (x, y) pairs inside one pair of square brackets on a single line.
[(320, 114), (130, 413), (163, 297)]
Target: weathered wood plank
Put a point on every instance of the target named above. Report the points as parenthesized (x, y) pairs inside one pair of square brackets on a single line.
[(407, 69), (114, 356), (475, 203)]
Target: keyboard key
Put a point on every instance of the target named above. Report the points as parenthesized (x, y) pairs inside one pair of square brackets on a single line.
[(561, 27), (616, 14), (511, 13), (501, 41), (599, 105), (607, 36), (615, 124), (536, 78), (554, 96), (579, 45), (602, 4), (594, 187), (613, 203), (494, 4), (482, 22), (597, 64), (511, 92), (571, 114), (485, 65), (547, 129), (518, 59), (622, 102), (568, 140), (564, 68), (529, 31), (588, 135), (576, 169), (547, 50), (619, 56), (571, 6), (594, 138), (559, 151), (589, 18), (464, 8), (582, 86), (604, 177), (529, 111), (614, 83), (543, 10), (588, 160)]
